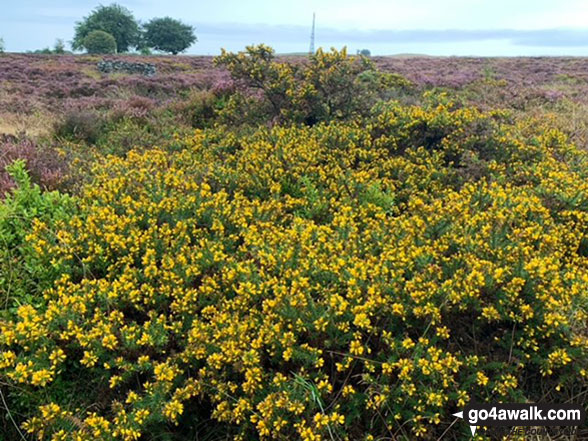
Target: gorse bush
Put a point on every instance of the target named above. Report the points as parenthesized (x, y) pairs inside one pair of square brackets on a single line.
[(21, 278), (353, 280), (330, 86)]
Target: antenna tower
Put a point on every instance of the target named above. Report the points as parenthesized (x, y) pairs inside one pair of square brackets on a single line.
[(311, 51)]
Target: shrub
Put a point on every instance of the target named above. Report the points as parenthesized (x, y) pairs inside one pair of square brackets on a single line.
[(125, 133), (327, 282), (135, 107), (134, 128), (44, 51), (80, 126), (44, 164), (330, 86), (18, 211), (197, 109), (22, 277), (100, 42)]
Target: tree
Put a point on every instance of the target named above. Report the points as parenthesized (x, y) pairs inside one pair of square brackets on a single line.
[(100, 42), (169, 35), (1, 45), (59, 47), (116, 20), (364, 52)]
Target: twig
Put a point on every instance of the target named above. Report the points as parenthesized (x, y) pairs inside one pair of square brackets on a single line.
[(511, 342), (447, 430), (10, 416)]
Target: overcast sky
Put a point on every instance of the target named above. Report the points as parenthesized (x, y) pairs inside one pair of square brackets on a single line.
[(434, 27)]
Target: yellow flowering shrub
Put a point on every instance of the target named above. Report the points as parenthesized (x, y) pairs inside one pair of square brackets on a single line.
[(329, 86), (358, 280)]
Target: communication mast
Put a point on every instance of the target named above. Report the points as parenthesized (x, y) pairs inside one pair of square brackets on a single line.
[(311, 51)]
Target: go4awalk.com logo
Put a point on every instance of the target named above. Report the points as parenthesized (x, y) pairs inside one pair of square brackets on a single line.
[(515, 415)]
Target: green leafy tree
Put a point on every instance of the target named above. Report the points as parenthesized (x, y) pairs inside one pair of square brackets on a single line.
[(100, 42), (116, 20), (169, 35), (1, 45)]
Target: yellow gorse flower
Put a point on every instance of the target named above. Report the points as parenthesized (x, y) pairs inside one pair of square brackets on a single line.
[(296, 277)]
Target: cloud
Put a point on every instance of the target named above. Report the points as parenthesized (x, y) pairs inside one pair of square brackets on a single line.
[(17, 25), (291, 34), (552, 38)]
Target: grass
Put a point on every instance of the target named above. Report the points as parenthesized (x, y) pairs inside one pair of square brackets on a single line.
[(36, 125)]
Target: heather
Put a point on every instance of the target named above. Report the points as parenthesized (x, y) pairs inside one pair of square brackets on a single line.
[(278, 248), (45, 82)]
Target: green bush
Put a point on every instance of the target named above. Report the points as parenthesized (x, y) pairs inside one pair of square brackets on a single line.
[(21, 278), (100, 42)]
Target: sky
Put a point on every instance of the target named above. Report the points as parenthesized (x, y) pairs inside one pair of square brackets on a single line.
[(385, 27)]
